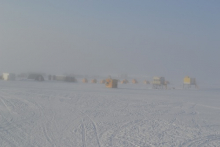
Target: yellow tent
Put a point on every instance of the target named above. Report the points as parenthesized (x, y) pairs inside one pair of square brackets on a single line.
[(134, 81), (94, 81), (111, 83), (124, 81), (146, 82), (102, 81)]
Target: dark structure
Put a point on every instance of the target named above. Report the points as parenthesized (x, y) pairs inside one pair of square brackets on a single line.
[(35, 76), (39, 78), (70, 79), (49, 77)]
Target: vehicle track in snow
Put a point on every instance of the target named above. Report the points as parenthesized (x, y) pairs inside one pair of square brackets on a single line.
[(113, 136), (11, 125), (88, 125), (203, 141), (87, 119), (44, 125), (117, 130), (83, 134), (41, 115)]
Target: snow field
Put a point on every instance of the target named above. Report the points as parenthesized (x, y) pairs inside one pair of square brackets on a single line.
[(54, 114)]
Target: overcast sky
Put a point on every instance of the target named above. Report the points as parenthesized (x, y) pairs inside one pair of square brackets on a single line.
[(140, 37)]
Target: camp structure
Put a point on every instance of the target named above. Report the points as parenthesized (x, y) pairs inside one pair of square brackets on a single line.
[(54, 77), (59, 78), (159, 83), (124, 81), (134, 81), (36, 77), (49, 77), (167, 82), (187, 82), (111, 83), (8, 76), (70, 79), (146, 82), (33, 76), (84, 80), (22, 75), (39, 78), (93, 81), (64, 78), (102, 81)]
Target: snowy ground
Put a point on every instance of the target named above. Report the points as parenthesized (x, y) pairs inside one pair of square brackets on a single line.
[(55, 114)]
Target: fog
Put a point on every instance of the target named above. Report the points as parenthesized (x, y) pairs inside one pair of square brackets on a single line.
[(144, 38)]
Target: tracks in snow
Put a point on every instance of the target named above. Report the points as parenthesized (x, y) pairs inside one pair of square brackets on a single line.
[(100, 121), (11, 127), (210, 140), (83, 134), (88, 131)]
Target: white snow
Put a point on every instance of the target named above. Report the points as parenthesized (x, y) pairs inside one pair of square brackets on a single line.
[(56, 114)]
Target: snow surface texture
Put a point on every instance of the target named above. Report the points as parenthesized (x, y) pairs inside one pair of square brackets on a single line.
[(55, 114)]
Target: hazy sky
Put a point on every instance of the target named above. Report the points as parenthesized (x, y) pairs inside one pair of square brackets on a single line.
[(145, 37)]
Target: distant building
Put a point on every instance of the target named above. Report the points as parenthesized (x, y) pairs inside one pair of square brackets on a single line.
[(39, 78), (36, 76), (49, 77), (64, 78), (8, 76), (59, 78), (70, 79), (33, 76), (187, 82), (159, 83)]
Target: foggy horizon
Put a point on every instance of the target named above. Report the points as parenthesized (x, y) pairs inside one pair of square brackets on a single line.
[(172, 39)]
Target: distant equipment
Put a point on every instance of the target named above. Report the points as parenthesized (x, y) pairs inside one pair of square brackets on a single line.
[(111, 83), (187, 82), (8, 76), (159, 83)]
